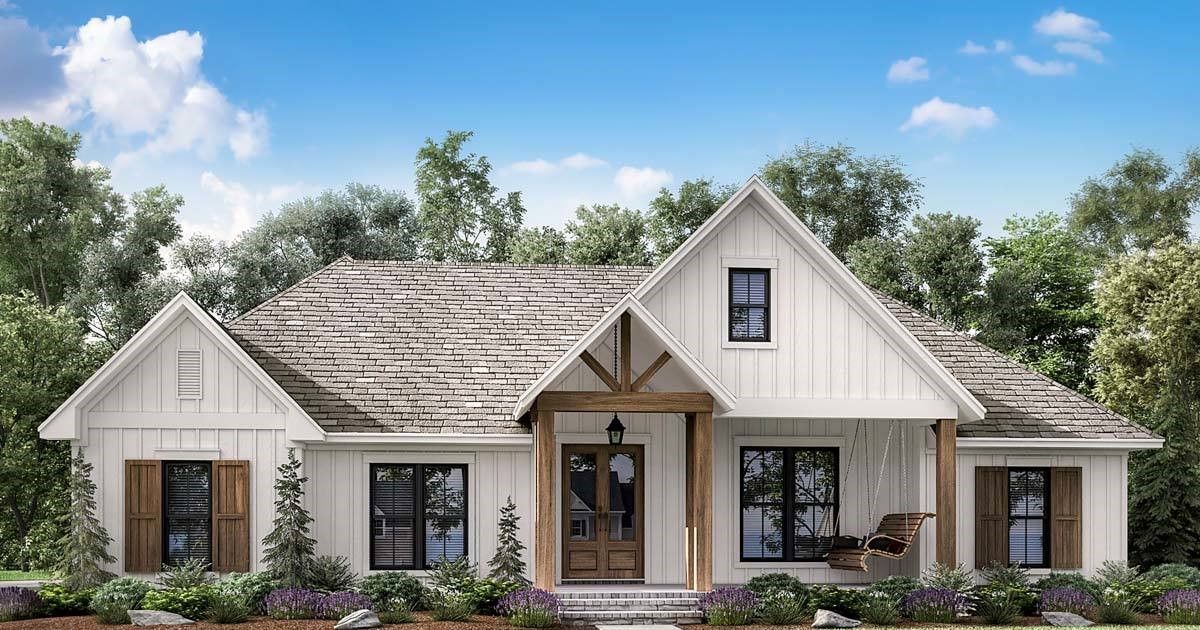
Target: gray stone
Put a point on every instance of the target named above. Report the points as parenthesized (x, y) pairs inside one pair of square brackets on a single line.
[(157, 618), (1065, 620), (362, 618), (829, 619)]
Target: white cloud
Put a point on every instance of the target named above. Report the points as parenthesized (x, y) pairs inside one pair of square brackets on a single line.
[(1052, 68), (971, 48), (582, 161), (1002, 46), (5, 5), (1083, 50), (540, 166), (633, 181), (244, 206), (951, 119), (534, 167), (908, 70), (1067, 25)]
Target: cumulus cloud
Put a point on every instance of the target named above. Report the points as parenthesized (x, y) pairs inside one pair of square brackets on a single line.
[(634, 182), (582, 161), (1067, 25), (243, 206), (1000, 46), (151, 91), (908, 70), (1052, 68), (534, 167), (574, 162), (951, 119), (1083, 50)]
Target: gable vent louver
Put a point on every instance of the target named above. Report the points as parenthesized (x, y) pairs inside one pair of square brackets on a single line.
[(187, 375)]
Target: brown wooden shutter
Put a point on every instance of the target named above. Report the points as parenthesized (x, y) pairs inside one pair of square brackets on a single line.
[(143, 515), (1066, 523), (231, 515), (991, 515)]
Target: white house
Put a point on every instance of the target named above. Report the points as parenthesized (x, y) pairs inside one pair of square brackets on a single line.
[(774, 408)]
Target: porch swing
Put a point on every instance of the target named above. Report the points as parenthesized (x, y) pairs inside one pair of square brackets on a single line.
[(896, 532)]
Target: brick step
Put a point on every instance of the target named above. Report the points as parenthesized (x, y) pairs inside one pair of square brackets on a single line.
[(630, 617), (674, 603), (630, 595)]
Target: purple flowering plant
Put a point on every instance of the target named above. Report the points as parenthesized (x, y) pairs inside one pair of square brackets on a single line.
[(337, 605), (19, 603), (933, 604), (729, 606), (530, 608), (1066, 599), (1180, 606), (291, 603)]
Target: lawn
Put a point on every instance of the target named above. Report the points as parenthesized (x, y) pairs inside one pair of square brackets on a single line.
[(479, 623), (22, 576)]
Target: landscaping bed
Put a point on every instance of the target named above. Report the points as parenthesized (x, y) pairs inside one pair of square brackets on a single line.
[(422, 622)]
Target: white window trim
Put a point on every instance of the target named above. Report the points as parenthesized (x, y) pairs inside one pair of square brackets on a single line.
[(747, 262)]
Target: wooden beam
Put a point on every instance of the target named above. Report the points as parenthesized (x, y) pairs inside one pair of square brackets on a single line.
[(650, 371), (626, 358), (947, 508), (544, 521), (700, 493), (689, 503), (600, 371), (650, 402)]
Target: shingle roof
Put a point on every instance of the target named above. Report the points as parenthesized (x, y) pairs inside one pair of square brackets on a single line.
[(440, 347)]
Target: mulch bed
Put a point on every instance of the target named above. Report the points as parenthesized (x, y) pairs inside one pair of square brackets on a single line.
[(259, 623)]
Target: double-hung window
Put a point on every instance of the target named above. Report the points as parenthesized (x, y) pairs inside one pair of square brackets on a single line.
[(1028, 522), (418, 515), (750, 305), (187, 519), (789, 503)]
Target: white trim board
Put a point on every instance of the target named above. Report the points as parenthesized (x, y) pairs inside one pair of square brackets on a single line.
[(842, 408), (1132, 444)]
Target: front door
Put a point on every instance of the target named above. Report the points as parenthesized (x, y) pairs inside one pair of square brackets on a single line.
[(602, 512)]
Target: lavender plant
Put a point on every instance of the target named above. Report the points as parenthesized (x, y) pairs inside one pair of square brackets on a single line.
[(729, 606), (291, 603), (933, 604), (530, 608), (19, 603), (337, 605), (1066, 599), (1180, 606)]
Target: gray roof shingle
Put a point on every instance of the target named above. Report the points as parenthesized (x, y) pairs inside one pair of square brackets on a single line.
[(438, 347)]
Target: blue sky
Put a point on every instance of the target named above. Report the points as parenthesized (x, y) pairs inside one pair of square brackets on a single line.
[(241, 106)]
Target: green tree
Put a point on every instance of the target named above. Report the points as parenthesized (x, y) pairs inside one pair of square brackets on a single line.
[(462, 216), (1037, 303), (539, 246), (673, 217), (290, 551), (202, 267), (508, 564), (1137, 203), (83, 549), (881, 263), (1149, 371), (841, 196), (44, 357), (607, 235), (51, 209)]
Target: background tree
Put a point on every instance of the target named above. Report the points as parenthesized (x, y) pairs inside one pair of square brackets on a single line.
[(607, 235), (1149, 370), (1137, 203), (539, 246), (842, 197), (882, 263), (508, 563), (462, 216), (289, 549), (83, 549), (673, 217)]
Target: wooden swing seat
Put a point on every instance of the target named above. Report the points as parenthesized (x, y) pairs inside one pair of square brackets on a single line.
[(892, 539)]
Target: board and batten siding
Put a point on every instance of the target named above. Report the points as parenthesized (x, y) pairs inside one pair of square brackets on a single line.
[(822, 345), (1105, 526), (338, 494)]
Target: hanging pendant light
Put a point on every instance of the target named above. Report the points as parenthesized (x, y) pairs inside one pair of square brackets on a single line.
[(615, 430)]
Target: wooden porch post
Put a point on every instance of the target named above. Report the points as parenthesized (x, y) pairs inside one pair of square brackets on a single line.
[(947, 505), (544, 521), (699, 498)]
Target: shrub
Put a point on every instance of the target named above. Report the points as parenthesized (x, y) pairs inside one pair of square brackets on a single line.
[(843, 601), (185, 574), (227, 606), (880, 608), (784, 608), (451, 605), (1180, 606), (291, 603), (337, 605), (956, 578), (764, 585), (289, 550), (390, 590), (1066, 580), (1005, 575), (1182, 572), (17, 602), (1000, 605), (1066, 599), (83, 548), (61, 601), (933, 604), (530, 608), (1116, 607), (251, 587), (458, 575), (508, 564), (1147, 592), (1124, 587), (113, 600), (486, 592), (1006, 586), (729, 606), (191, 602), (401, 613), (893, 587), (331, 574)]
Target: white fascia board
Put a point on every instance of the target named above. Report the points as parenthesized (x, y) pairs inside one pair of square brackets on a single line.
[(452, 439), (1119, 444), (842, 408)]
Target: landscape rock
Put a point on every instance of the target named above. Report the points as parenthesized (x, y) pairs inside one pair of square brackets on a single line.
[(829, 619), (1065, 620), (157, 618), (362, 618)]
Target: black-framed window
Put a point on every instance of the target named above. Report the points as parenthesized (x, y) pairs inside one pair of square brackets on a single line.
[(1028, 516), (187, 513), (418, 515), (749, 304), (789, 503)]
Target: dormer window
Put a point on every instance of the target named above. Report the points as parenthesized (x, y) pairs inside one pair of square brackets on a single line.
[(750, 305)]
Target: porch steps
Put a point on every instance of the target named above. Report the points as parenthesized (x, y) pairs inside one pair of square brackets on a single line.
[(630, 607)]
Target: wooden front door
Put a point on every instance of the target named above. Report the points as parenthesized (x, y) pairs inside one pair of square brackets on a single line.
[(602, 512)]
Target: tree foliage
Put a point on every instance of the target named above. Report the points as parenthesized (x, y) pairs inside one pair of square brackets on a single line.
[(289, 550), (508, 563), (539, 246), (83, 549), (607, 235), (674, 216), (841, 196)]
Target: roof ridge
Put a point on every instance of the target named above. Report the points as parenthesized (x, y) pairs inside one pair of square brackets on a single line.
[(499, 265), (341, 259)]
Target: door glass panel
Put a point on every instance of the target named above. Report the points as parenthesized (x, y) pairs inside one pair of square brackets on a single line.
[(622, 497), (583, 496)]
